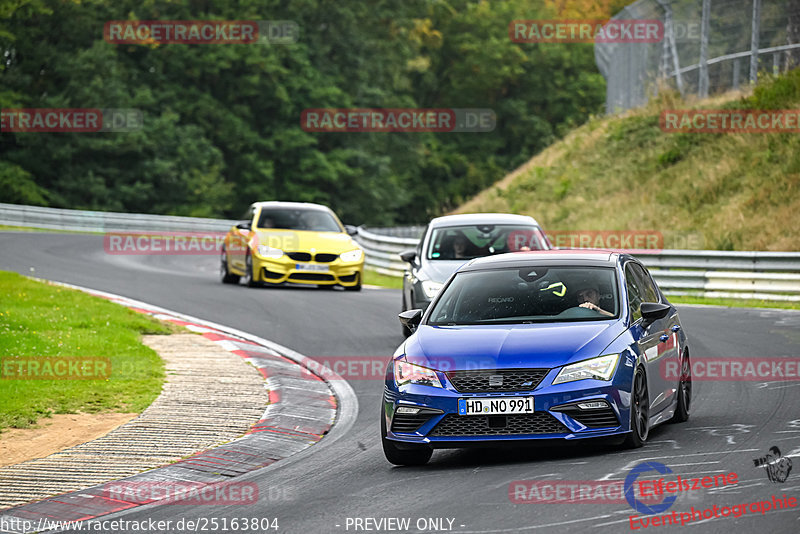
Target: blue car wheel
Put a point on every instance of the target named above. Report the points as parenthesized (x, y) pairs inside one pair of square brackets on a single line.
[(408, 455), (640, 412)]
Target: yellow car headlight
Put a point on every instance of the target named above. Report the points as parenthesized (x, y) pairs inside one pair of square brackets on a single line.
[(353, 255), (600, 368), (269, 252)]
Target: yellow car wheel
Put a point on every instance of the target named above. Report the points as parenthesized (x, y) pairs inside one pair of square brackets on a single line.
[(224, 274), (248, 278), (356, 287)]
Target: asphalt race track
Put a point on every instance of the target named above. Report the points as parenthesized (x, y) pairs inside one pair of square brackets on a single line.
[(331, 487)]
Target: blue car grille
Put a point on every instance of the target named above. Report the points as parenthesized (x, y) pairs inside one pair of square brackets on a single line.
[(486, 380), (483, 425), (596, 419), (592, 418), (409, 423)]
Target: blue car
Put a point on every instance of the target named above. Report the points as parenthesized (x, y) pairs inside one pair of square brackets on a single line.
[(533, 347)]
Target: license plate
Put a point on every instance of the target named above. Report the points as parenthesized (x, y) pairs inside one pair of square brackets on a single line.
[(311, 267), (495, 406)]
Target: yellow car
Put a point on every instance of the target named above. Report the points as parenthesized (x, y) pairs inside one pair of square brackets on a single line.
[(293, 242)]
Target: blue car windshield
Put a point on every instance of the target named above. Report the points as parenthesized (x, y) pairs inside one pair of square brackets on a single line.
[(532, 294), (476, 240)]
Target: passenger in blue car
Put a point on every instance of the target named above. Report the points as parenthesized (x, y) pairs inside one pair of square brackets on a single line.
[(589, 297)]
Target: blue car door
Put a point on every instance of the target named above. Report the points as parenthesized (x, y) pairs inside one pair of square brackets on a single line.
[(648, 340)]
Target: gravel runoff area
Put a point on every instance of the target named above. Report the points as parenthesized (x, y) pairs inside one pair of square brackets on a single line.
[(210, 396)]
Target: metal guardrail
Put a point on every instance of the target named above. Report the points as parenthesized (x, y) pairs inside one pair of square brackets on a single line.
[(709, 273), (382, 251), (105, 221), (760, 275)]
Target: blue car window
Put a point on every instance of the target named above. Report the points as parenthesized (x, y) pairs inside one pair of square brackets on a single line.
[(649, 293), (514, 295), (634, 293)]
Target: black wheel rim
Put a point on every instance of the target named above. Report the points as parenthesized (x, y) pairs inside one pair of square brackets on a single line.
[(248, 270), (686, 384), (223, 265), (641, 408)]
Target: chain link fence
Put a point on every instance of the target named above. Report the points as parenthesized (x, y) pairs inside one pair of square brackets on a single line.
[(709, 46)]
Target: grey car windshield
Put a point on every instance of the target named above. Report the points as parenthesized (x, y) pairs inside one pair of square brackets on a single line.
[(473, 241), (298, 219), (528, 294)]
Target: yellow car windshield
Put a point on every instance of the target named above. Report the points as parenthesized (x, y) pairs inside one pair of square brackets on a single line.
[(298, 219)]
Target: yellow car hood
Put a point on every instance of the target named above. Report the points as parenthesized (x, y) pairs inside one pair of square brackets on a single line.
[(304, 241)]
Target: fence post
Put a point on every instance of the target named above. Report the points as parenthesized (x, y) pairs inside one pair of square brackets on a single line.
[(704, 28), (669, 42), (674, 50), (756, 23)]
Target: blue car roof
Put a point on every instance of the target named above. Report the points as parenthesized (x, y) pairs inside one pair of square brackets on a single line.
[(572, 257)]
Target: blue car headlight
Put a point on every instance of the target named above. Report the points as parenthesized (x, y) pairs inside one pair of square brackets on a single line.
[(600, 368), (408, 373)]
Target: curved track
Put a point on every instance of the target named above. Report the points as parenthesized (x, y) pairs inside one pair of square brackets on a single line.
[(731, 424)]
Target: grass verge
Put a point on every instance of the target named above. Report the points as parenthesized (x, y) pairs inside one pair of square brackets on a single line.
[(734, 303), (7, 228), (375, 278), (717, 191), (39, 320)]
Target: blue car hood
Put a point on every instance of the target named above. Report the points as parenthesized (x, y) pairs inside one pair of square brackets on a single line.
[(508, 346)]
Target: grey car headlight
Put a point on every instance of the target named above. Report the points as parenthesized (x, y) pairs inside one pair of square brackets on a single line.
[(431, 288)]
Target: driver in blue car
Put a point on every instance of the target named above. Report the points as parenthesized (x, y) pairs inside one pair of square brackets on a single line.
[(589, 297)]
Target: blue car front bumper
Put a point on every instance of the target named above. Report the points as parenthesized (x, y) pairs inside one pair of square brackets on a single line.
[(556, 413)]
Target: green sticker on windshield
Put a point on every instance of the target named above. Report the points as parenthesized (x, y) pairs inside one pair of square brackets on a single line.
[(555, 285), (435, 255)]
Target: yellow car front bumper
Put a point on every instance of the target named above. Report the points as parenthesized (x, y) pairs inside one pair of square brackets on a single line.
[(285, 269)]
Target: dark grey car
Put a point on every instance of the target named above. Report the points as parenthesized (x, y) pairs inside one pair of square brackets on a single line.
[(451, 241)]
